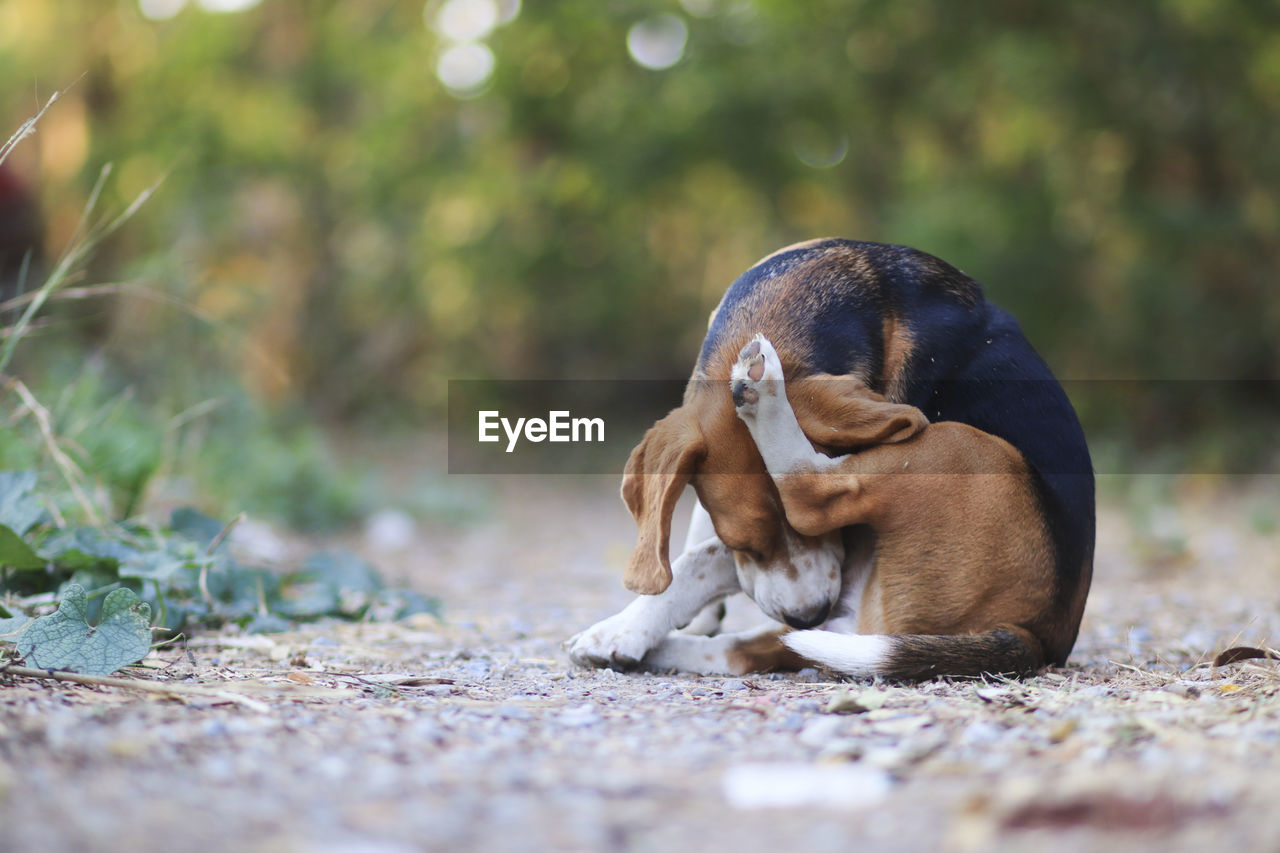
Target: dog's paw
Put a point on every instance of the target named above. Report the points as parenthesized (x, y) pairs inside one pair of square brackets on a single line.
[(617, 643), (698, 655), (708, 621), (757, 374)]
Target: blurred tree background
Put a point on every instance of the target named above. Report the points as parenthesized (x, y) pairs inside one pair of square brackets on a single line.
[(366, 198)]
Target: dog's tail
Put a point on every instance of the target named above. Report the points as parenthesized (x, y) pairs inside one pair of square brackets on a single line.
[(1005, 650)]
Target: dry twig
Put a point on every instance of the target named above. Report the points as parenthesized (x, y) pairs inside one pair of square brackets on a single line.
[(70, 471), (176, 690)]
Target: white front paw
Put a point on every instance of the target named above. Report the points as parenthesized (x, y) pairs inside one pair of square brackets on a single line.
[(756, 374), (620, 641)]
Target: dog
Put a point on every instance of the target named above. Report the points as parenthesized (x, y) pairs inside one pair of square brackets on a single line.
[(882, 462)]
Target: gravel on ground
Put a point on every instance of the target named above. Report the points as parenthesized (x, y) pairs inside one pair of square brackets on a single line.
[(475, 732)]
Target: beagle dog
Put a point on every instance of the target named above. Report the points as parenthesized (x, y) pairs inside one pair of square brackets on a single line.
[(882, 463)]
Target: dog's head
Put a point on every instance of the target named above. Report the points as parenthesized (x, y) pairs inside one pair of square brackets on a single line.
[(789, 296), (793, 577)]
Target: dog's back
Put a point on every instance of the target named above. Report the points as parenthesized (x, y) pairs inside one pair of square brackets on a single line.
[(921, 332)]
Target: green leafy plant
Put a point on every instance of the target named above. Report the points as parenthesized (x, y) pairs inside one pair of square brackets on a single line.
[(65, 640), (184, 573), (92, 584)]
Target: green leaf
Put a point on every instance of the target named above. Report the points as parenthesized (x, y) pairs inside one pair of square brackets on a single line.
[(304, 598), (15, 553), (268, 623), (399, 603), (241, 592), (344, 570), (332, 583), (195, 525), (65, 640), (19, 510), (97, 583), (10, 628), (157, 566), (82, 548)]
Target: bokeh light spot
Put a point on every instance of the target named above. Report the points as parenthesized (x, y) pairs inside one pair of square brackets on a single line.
[(508, 10), (818, 147), (160, 10), (465, 68), (227, 5), (699, 8), (658, 42), (466, 20)]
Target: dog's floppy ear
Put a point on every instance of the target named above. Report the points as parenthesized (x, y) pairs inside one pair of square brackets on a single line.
[(842, 412), (656, 474)]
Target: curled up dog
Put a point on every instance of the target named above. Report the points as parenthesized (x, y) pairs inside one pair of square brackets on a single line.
[(882, 463)]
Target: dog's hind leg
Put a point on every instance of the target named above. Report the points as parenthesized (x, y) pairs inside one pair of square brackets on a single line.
[(822, 493), (707, 622), (702, 577), (756, 650)]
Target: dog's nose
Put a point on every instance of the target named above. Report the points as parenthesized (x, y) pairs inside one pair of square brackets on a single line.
[(812, 619)]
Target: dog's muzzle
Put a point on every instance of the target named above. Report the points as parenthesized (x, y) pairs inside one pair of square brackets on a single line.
[(811, 619)]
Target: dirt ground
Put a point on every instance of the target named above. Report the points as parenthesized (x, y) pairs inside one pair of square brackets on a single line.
[(476, 733)]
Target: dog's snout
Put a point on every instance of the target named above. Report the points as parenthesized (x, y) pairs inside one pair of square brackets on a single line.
[(809, 619)]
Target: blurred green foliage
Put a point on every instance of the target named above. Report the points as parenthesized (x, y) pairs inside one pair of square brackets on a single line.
[(227, 452), (184, 572), (1111, 172)]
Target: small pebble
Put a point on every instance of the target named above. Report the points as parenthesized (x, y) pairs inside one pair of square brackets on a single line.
[(477, 668), (793, 722), (821, 730), (582, 715), (1183, 688), (787, 785), (514, 712)]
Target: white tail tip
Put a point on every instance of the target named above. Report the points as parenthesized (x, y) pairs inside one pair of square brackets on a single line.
[(862, 655)]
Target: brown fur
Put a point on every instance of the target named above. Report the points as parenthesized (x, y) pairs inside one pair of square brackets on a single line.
[(960, 546), (656, 473), (764, 653), (959, 551), (898, 343)]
